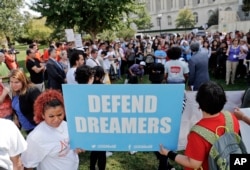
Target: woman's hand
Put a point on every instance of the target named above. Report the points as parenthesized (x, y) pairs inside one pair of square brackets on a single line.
[(238, 114), (163, 150), (79, 150)]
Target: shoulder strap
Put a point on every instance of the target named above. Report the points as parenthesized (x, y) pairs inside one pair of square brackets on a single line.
[(208, 135), (95, 61), (229, 121)]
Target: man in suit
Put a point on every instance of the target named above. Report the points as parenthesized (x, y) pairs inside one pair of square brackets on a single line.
[(198, 67), (56, 74)]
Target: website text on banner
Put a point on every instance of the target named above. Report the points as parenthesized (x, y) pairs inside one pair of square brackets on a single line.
[(123, 117)]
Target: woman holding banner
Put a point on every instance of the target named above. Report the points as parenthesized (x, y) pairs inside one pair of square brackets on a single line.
[(48, 144)]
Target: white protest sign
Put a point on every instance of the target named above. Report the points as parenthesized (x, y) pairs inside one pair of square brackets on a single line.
[(78, 40), (195, 31), (244, 129), (70, 35)]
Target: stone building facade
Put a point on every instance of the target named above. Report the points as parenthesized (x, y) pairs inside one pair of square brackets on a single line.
[(168, 10)]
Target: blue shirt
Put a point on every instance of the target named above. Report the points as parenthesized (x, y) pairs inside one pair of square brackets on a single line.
[(234, 54), (160, 53), (26, 125), (135, 68)]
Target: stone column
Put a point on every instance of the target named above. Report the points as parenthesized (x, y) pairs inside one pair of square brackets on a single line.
[(177, 4)]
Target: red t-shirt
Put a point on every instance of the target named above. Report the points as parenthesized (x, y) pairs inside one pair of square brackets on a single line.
[(197, 147)]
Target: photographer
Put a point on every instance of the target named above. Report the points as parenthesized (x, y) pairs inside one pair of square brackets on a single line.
[(10, 59)]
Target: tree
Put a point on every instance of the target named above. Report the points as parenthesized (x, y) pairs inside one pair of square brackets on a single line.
[(246, 7), (214, 18), (107, 35), (35, 29), (11, 18), (125, 33), (91, 16), (143, 19), (185, 19)]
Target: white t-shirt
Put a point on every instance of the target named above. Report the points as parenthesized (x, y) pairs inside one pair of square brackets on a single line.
[(175, 70), (91, 62), (71, 76), (12, 143), (49, 149), (106, 63)]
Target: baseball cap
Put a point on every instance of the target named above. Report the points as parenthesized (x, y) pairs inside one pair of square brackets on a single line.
[(142, 63)]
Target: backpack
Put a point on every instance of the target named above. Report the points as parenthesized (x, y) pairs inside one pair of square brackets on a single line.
[(156, 72), (112, 74), (222, 146), (149, 59)]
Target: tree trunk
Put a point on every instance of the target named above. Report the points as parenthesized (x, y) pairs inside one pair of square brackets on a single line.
[(8, 40), (93, 35)]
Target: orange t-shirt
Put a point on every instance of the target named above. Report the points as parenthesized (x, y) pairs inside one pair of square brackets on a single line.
[(10, 61), (38, 56), (58, 52), (45, 55)]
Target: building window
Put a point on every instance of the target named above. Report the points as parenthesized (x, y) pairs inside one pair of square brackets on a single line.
[(198, 1), (169, 20), (228, 9), (210, 12), (195, 17), (181, 3)]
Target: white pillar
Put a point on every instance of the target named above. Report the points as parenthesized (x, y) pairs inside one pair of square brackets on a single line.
[(177, 5)]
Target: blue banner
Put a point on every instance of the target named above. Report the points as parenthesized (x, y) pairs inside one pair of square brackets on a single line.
[(123, 117)]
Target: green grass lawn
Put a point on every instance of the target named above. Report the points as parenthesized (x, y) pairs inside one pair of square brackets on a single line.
[(123, 160)]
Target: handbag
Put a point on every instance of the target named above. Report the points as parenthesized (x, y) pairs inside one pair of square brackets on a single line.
[(106, 79), (5, 106), (112, 74)]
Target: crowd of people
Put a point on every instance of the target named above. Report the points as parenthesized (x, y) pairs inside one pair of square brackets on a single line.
[(35, 104)]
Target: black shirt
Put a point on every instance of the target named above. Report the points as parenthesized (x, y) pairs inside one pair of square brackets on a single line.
[(35, 78)]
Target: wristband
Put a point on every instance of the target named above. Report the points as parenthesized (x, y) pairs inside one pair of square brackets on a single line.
[(172, 155)]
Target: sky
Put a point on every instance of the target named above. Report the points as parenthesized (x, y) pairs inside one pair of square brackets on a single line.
[(26, 8)]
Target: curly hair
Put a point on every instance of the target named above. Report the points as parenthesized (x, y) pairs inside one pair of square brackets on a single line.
[(47, 99), (174, 53)]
